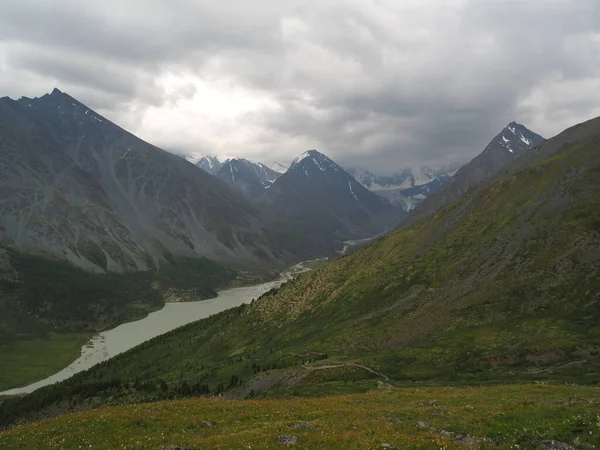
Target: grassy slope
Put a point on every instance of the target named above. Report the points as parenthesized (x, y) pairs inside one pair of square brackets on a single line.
[(501, 286), (486, 417), (46, 318)]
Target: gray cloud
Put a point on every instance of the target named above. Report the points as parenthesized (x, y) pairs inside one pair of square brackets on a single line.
[(381, 84)]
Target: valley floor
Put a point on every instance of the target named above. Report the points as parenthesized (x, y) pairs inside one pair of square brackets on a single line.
[(25, 361), (28, 360), (513, 416)]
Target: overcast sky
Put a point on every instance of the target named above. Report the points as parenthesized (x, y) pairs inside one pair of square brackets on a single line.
[(382, 84)]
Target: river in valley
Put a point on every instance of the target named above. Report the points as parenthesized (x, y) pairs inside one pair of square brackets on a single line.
[(173, 315)]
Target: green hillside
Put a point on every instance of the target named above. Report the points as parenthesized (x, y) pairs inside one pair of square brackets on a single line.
[(503, 417), (502, 286)]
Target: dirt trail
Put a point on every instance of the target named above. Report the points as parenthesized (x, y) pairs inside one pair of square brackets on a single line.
[(311, 367)]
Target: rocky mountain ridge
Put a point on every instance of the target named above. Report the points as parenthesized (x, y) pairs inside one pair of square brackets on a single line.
[(210, 164), (319, 193), (248, 177), (513, 142), (75, 186)]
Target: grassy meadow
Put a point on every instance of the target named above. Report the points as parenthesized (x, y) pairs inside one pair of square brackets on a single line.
[(503, 417), (34, 359)]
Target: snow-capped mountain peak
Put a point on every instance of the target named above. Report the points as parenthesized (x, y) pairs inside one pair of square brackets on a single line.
[(250, 177), (514, 139), (313, 158), (319, 191), (304, 155), (210, 163)]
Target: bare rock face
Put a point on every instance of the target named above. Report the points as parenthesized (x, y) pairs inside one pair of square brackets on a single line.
[(248, 177), (75, 186)]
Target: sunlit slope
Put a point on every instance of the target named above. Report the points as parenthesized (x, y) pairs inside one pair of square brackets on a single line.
[(503, 417)]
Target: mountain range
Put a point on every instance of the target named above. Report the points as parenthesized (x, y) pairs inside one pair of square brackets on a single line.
[(405, 179), (98, 227), (410, 187), (406, 188), (501, 285), (75, 186), (314, 193), (212, 164), (81, 196), (317, 193), (493, 279)]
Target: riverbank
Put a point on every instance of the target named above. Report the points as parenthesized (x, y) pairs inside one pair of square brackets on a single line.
[(53, 299), (109, 343)]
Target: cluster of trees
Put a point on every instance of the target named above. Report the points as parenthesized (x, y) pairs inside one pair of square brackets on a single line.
[(14, 408), (54, 295), (67, 395)]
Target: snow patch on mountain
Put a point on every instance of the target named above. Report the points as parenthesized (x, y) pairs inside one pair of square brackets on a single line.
[(319, 165), (406, 188), (278, 167), (232, 174), (352, 192), (249, 177), (210, 163), (303, 156)]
